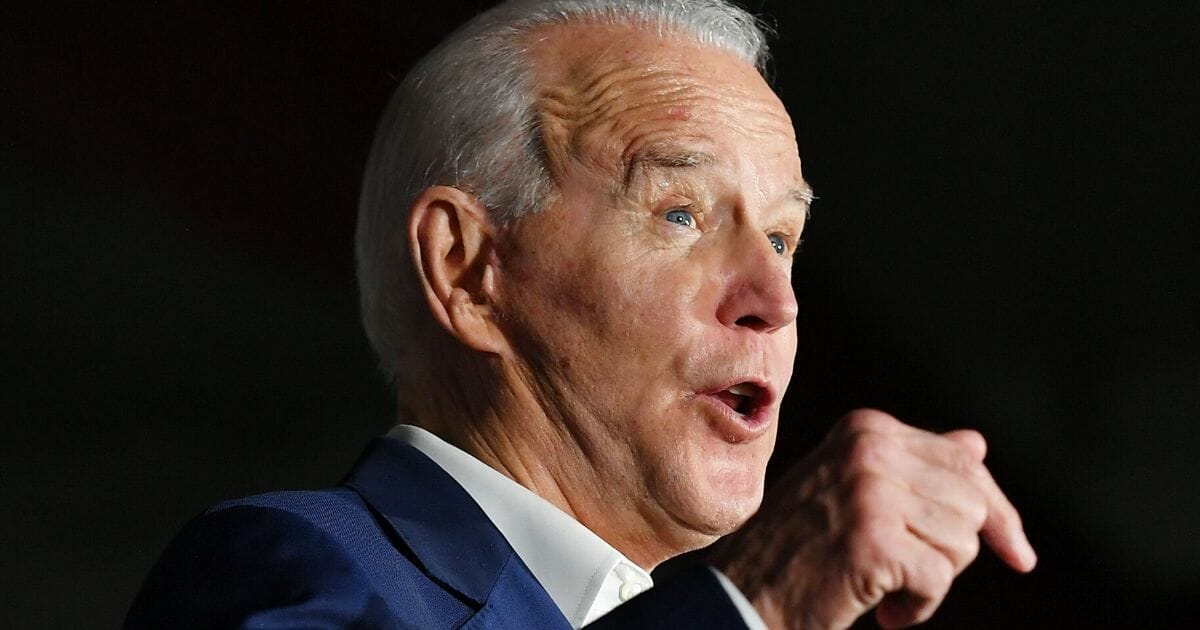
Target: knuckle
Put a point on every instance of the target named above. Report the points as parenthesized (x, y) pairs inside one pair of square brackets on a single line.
[(931, 588), (867, 587), (962, 553), (869, 451), (874, 576), (977, 512), (869, 495), (964, 463), (942, 572), (970, 551), (869, 542), (932, 577), (868, 420), (976, 436)]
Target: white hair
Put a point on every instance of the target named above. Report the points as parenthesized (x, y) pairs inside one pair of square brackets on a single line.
[(465, 116)]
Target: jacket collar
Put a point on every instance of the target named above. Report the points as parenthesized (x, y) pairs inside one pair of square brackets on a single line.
[(438, 521)]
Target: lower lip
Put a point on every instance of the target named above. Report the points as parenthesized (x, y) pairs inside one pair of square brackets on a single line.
[(736, 427)]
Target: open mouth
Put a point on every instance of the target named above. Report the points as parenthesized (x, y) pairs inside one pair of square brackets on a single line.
[(743, 398)]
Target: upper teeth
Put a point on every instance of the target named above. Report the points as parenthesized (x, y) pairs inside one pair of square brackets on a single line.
[(743, 389)]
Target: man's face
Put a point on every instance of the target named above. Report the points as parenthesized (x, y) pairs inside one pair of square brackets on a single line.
[(650, 304)]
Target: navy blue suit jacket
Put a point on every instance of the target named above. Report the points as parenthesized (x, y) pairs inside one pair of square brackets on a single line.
[(399, 544)]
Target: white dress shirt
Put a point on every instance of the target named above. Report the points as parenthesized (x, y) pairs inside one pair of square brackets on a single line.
[(584, 575)]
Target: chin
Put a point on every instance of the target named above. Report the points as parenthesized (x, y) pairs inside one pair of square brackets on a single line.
[(717, 494), (704, 484), (731, 500)]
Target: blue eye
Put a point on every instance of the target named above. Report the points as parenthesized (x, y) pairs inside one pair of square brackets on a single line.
[(778, 243), (679, 216)]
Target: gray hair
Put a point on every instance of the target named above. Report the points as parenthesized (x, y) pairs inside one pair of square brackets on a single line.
[(465, 116)]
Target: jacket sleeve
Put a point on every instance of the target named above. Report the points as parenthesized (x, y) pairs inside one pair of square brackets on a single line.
[(254, 567)]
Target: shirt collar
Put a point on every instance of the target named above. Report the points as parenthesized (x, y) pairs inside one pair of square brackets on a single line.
[(584, 575)]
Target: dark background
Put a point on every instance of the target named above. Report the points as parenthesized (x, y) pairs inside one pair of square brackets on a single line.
[(1006, 239)]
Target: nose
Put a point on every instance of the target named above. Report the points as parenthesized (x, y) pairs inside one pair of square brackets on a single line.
[(758, 295)]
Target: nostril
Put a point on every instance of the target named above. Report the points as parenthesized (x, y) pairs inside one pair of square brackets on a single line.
[(753, 322), (757, 305)]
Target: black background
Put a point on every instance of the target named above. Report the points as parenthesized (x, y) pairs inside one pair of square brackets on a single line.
[(1006, 239)]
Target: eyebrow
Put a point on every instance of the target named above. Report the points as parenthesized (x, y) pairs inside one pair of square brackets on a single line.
[(803, 195), (669, 157), (660, 157)]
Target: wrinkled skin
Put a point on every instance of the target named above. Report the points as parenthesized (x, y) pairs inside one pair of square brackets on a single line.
[(880, 514), (609, 329), (654, 279)]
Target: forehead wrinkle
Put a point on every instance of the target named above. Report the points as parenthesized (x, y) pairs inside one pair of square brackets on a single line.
[(752, 117), (576, 105), (675, 148), (615, 94), (671, 151), (602, 111)]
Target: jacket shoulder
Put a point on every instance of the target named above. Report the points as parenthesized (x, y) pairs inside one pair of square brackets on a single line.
[(300, 558)]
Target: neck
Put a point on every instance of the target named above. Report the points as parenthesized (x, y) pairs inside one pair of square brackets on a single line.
[(500, 421)]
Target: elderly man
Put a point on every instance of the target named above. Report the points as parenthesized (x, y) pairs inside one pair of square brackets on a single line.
[(574, 246)]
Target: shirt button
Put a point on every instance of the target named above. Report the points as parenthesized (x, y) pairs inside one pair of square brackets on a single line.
[(629, 590)]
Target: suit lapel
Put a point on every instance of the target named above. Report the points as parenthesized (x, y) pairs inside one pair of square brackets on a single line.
[(450, 536), (435, 517)]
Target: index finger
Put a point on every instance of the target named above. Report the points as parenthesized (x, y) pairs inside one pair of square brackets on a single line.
[(1003, 531)]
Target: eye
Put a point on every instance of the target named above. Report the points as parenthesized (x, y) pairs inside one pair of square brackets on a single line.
[(778, 243), (680, 216)]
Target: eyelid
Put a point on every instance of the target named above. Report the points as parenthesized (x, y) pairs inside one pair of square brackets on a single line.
[(791, 242), (787, 247), (688, 207), (682, 217)]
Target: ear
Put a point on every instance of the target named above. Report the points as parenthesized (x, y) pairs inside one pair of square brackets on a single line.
[(451, 240)]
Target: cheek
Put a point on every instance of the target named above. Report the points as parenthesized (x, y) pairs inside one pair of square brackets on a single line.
[(632, 303)]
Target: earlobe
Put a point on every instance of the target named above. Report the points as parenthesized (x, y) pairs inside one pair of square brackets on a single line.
[(451, 240)]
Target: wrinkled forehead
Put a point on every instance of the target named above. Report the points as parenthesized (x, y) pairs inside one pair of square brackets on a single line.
[(607, 92)]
